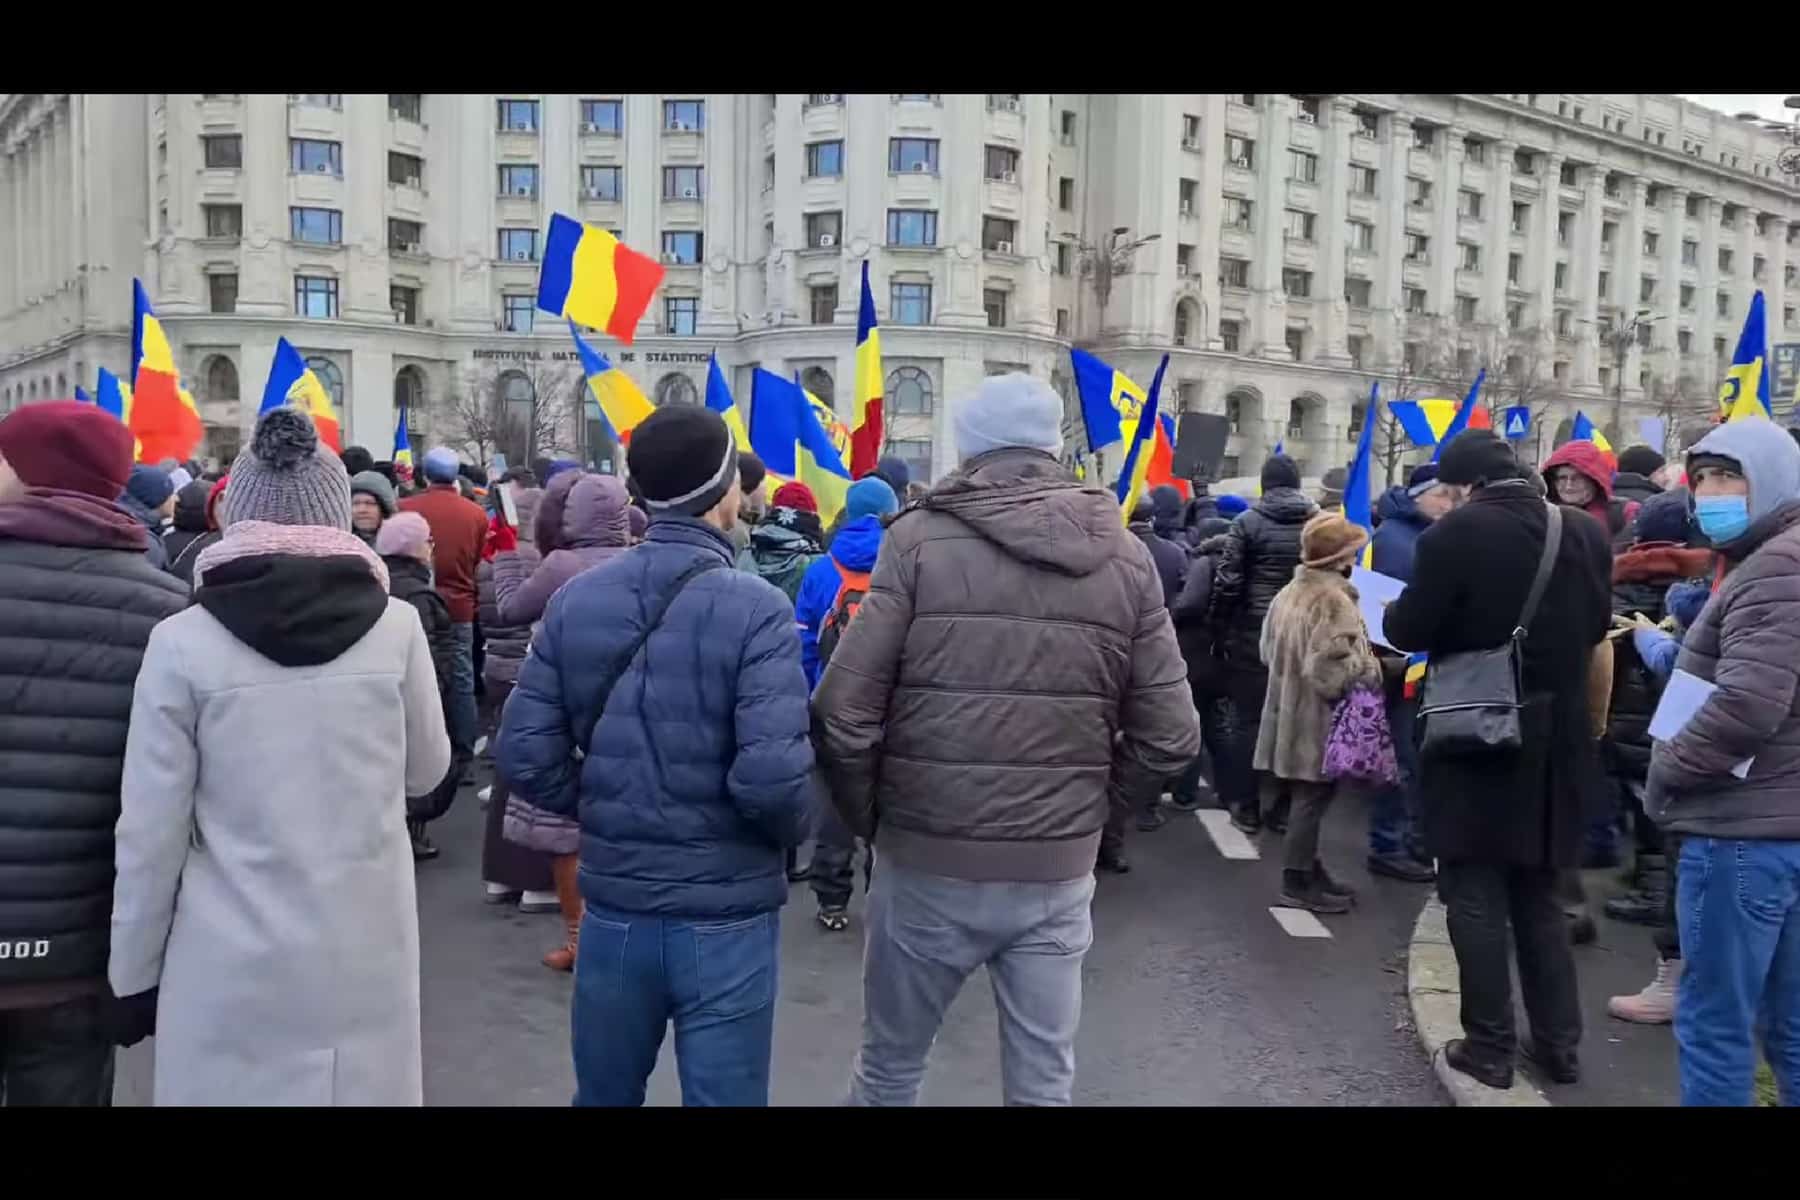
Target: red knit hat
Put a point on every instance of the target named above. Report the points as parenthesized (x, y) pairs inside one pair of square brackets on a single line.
[(795, 495), (212, 501), (70, 445)]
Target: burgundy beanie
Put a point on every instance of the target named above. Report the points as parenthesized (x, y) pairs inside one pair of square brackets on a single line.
[(68, 444)]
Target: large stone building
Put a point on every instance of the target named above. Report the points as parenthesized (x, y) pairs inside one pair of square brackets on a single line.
[(1288, 250)]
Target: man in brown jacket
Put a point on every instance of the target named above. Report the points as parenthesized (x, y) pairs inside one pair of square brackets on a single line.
[(458, 532), (1011, 666)]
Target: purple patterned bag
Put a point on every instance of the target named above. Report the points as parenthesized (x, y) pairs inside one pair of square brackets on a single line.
[(1360, 746)]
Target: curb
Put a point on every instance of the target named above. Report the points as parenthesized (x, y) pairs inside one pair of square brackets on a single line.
[(1434, 992)]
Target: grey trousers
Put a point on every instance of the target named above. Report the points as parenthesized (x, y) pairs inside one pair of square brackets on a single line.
[(927, 934)]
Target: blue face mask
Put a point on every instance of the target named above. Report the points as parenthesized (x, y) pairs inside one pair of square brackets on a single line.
[(1722, 518)]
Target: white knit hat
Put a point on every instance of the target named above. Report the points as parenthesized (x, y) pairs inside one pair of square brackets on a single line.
[(1008, 410)]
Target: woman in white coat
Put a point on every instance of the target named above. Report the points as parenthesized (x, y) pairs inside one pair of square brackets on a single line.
[(265, 905)]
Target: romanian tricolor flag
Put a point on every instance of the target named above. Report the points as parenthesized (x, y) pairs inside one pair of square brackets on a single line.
[(593, 279), (1464, 417), (866, 420), (1745, 392), (1435, 421), (112, 395), (718, 398), (81, 395), (1584, 430), (1359, 491), (162, 414), (787, 434), (621, 401), (1162, 459), (1145, 429), (1110, 401), (291, 381), (402, 442)]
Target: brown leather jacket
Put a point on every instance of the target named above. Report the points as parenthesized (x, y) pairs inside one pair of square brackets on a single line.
[(1012, 659)]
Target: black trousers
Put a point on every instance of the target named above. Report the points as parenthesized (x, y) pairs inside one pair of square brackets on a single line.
[(59, 1055), (1126, 802), (833, 871), (1482, 900), (1218, 733), (1248, 686), (1667, 935)]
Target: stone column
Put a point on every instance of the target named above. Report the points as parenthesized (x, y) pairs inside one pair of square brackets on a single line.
[(1447, 253), (1390, 187), (1777, 284), (957, 300), (728, 172), (1212, 214), (1268, 299), (1708, 299), (1630, 260), (1585, 264), (1673, 214), (1741, 292), (1334, 212), (365, 295), (1031, 308), (265, 287), (1547, 247)]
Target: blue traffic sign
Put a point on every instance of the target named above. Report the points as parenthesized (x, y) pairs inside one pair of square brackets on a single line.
[(1516, 423)]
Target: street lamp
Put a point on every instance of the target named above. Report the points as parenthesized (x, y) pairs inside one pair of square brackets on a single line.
[(1104, 262), (1621, 333)]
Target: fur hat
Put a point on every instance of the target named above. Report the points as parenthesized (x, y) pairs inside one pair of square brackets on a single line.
[(683, 460), (68, 444), (287, 476), (1330, 540)]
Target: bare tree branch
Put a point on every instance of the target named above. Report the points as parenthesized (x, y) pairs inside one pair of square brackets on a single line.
[(525, 411)]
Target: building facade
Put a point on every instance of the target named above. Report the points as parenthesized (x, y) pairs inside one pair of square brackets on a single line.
[(1287, 250)]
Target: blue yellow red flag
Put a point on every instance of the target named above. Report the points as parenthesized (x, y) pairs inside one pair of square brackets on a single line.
[(1430, 421), (1359, 491), (113, 395), (786, 433), (162, 415), (621, 401), (592, 278), (81, 395), (1110, 401), (1584, 430), (718, 398), (1745, 391), (1162, 459), (291, 381), (1461, 420), (1138, 455), (402, 442), (866, 419)]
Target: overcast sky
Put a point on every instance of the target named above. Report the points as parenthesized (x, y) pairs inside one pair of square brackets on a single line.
[(1766, 104)]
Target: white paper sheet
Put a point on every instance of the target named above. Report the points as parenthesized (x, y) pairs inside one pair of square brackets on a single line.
[(1681, 699), (1373, 593)]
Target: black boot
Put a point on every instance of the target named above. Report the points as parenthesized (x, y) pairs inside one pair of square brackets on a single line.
[(1582, 930), (1151, 818), (1302, 889), (1558, 1066), (1114, 861), (1495, 1074), (1246, 820), (1330, 886), (1645, 906), (1402, 867)]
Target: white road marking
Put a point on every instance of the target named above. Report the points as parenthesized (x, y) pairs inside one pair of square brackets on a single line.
[(481, 745), (1297, 922), (1226, 836)]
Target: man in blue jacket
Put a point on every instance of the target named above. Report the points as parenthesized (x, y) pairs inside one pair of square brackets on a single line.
[(681, 680)]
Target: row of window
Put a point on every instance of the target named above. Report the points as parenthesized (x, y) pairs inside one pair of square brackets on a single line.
[(600, 116)]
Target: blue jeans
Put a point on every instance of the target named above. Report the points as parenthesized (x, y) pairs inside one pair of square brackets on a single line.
[(1739, 907), (715, 979), (1394, 811), (461, 719)]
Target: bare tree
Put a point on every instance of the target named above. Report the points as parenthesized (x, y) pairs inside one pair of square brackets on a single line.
[(1681, 399), (526, 410)]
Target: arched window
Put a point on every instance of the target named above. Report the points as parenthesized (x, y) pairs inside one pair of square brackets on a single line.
[(222, 379), (676, 388), (409, 397), (331, 379), (31, 390), (62, 386), (1187, 322), (908, 392), (1359, 413), (817, 380), (518, 402)]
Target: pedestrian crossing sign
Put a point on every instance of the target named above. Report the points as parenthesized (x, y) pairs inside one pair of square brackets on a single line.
[(1518, 420)]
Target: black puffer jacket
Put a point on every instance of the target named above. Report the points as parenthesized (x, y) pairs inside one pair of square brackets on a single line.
[(410, 580), (1641, 580), (1193, 631), (1258, 560), (73, 625)]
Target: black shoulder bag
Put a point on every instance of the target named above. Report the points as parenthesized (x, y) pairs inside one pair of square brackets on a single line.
[(1471, 700), (612, 677)]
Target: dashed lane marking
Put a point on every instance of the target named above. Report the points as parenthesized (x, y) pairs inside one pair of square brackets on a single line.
[(1227, 837), (1297, 922)]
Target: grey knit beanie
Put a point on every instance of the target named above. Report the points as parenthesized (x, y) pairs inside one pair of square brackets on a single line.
[(287, 477), (1008, 410)]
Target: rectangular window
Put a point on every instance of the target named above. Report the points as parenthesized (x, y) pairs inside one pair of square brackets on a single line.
[(1646, 289), (908, 156), (518, 245), (1187, 191), (1295, 340), (1651, 241), (1357, 345), (1474, 151), (516, 312), (1184, 258), (1571, 176), (1725, 260), (1515, 315), (1357, 292), (1418, 193), (684, 183), (1690, 254), (912, 227), (404, 302), (909, 303), (684, 116), (1228, 336), (1234, 272), (681, 315), (223, 151), (520, 180), (603, 116), (315, 157), (822, 301), (993, 302), (1684, 341), (824, 229), (1424, 137), (1525, 162), (1521, 217), (816, 99), (1362, 180), (224, 220), (1065, 194), (1296, 283), (1687, 297), (408, 106), (1368, 124), (1604, 288), (1297, 225), (1062, 258), (1643, 335), (1469, 256), (406, 170), (1515, 266), (824, 159), (683, 246), (1759, 267), (1068, 128), (1724, 304), (1001, 164), (1465, 309), (1237, 213), (1247, 99), (999, 233), (1415, 300), (1361, 235), (1240, 151), (1303, 166), (1560, 278), (1468, 204), (405, 237), (320, 226), (1418, 248), (318, 99), (1307, 109), (316, 296), (222, 292), (516, 116), (1190, 132), (603, 183), (1565, 227), (1062, 322), (1003, 101)]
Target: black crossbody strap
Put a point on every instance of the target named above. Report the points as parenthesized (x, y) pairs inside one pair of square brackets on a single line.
[(1546, 564), (706, 563)]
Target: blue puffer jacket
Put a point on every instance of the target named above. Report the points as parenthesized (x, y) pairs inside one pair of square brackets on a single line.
[(1400, 525), (698, 776), (856, 546)]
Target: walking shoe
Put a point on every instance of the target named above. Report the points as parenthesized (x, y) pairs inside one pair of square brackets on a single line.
[(1655, 1005), (1644, 906), (1246, 822), (1151, 820), (422, 848), (499, 893), (1114, 862), (1275, 821), (1402, 867), (1558, 1066), (1185, 802), (1582, 930), (1330, 886), (1301, 889), (1460, 1057), (834, 919), (539, 902)]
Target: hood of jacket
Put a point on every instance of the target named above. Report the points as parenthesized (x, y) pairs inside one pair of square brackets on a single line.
[(1286, 506), (299, 595), (858, 543), (190, 507), (1770, 460), (528, 501), (1660, 563), (1024, 502), (547, 525), (58, 517), (1587, 458), (1397, 504), (593, 514), (786, 531)]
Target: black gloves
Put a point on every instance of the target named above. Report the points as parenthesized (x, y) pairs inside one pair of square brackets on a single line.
[(131, 1019)]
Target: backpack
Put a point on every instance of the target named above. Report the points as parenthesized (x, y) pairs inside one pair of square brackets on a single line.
[(852, 587)]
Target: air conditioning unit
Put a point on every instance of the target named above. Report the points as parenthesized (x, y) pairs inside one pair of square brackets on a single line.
[(921, 168), (1308, 118), (1009, 177), (1181, 268), (1012, 106), (524, 191), (690, 193), (399, 316), (1241, 162), (669, 256), (1189, 144), (827, 241), (589, 127), (522, 255), (409, 247), (592, 193), (1003, 247), (683, 127), (1187, 210), (323, 168)]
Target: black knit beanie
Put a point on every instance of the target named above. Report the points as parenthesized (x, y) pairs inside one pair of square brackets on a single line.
[(1477, 456), (683, 460), (1280, 471)]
